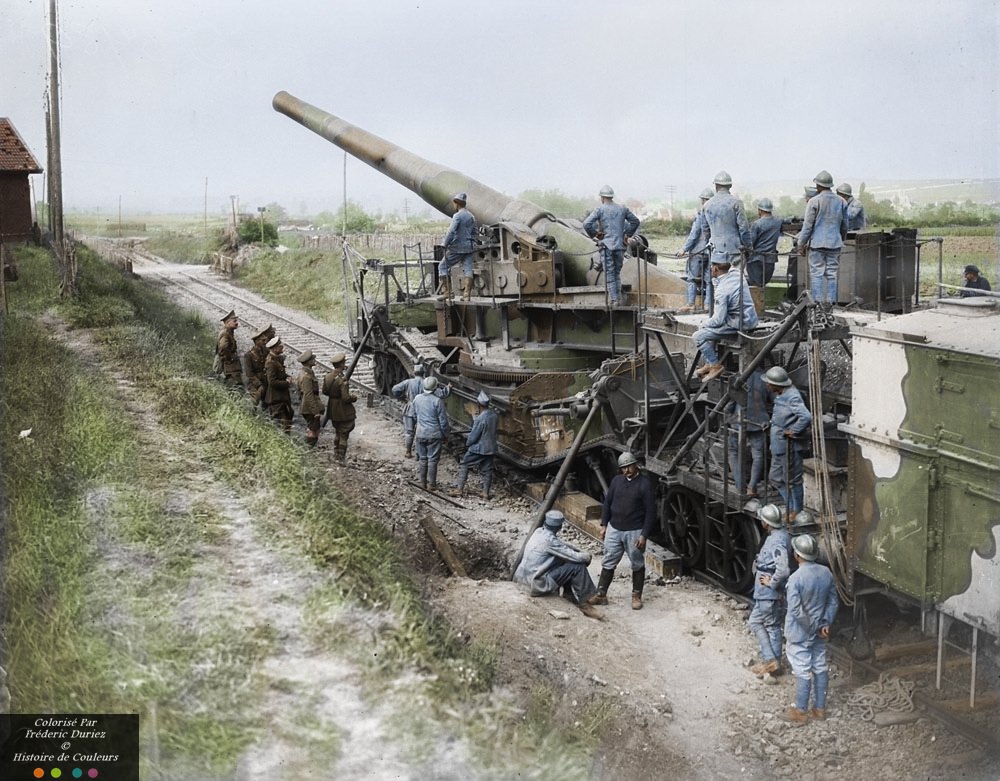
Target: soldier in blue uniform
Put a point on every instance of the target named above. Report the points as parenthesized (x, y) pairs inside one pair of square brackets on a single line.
[(811, 594), (734, 312), (613, 225), (771, 570), (727, 222), (698, 270), (550, 564), (764, 234), (789, 422), (460, 245), (431, 428), (856, 218), (482, 447), (822, 236), (750, 415)]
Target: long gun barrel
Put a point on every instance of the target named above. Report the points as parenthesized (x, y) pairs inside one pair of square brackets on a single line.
[(437, 184)]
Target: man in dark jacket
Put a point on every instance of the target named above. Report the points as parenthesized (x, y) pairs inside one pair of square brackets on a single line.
[(626, 522), (226, 351), (974, 282)]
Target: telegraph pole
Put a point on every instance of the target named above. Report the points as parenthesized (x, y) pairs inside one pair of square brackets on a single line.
[(55, 158)]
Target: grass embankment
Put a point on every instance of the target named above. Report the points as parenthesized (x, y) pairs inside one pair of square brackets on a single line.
[(108, 547)]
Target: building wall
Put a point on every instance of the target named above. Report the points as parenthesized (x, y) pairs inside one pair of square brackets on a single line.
[(15, 207)]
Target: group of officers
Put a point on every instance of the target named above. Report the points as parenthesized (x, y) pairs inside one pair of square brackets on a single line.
[(263, 375)]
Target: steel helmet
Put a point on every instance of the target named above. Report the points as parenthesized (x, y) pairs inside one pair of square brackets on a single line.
[(765, 205), (777, 376), (607, 192), (460, 198), (707, 193), (723, 178), (823, 179), (554, 519), (803, 519), (805, 545), (430, 384), (845, 189), (626, 459), (483, 399), (771, 515), (419, 369), (810, 192)]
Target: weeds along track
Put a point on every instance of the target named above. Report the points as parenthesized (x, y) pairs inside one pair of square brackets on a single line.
[(200, 283)]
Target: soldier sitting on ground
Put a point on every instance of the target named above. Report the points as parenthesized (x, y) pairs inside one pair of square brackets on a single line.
[(550, 564)]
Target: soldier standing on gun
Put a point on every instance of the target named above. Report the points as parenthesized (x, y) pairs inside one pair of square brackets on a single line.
[(727, 222), (278, 396), (226, 351), (339, 405), (613, 225), (699, 278), (310, 408), (460, 245), (253, 365), (856, 218), (822, 236)]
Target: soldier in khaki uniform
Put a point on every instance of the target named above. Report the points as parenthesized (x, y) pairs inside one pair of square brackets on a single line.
[(310, 408), (253, 364), (226, 353), (340, 404), (278, 395)]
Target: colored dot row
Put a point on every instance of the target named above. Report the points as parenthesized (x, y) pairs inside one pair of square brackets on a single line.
[(57, 773)]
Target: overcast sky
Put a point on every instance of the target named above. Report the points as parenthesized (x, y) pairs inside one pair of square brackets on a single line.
[(520, 94)]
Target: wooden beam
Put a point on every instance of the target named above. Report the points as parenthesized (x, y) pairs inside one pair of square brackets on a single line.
[(442, 545), (885, 653)]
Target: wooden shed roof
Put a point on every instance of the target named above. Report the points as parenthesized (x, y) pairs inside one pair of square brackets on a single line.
[(14, 154)]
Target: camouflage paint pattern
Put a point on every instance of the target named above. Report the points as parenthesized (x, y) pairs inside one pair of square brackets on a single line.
[(925, 463)]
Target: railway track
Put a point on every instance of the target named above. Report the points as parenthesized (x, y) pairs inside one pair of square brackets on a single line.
[(298, 335), (199, 283)]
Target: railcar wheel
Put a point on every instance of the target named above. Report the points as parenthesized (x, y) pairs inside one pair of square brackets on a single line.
[(387, 371), (732, 542), (682, 524)]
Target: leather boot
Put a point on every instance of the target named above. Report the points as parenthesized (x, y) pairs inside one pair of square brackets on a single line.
[(601, 597), (699, 303), (466, 288), (638, 581), (446, 287), (757, 295)]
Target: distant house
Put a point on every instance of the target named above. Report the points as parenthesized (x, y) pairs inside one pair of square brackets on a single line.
[(16, 164)]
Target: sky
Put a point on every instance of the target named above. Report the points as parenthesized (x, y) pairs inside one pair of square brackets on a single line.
[(649, 96)]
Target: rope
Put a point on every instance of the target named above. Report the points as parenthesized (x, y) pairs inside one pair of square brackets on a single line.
[(832, 534), (888, 693)]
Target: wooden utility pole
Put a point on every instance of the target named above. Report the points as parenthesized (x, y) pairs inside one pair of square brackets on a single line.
[(67, 259)]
